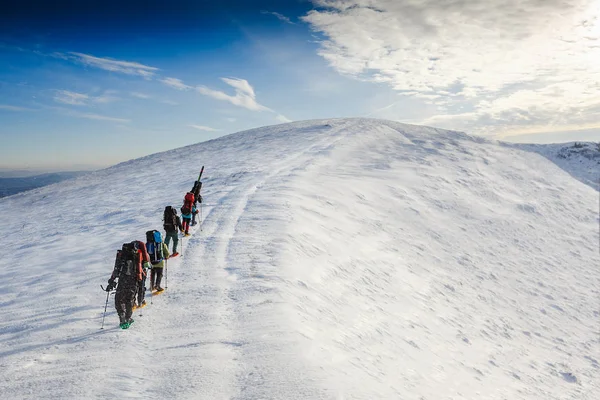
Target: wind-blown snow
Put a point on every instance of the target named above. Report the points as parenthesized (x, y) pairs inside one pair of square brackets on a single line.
[(338, 259)]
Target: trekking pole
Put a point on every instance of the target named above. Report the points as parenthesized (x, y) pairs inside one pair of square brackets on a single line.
[(166, 268), (151, 280), (105, 306), (200, 216)]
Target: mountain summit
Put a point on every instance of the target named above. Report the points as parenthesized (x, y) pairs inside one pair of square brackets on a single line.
[(337, 259)]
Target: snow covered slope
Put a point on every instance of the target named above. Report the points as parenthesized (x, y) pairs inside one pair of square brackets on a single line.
[(338, 259)]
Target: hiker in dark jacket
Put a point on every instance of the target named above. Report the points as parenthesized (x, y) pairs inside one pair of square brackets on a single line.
[(128, 270), (172, 224), (197, 199)]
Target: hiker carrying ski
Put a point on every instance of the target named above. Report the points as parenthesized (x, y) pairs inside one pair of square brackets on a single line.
[(172, 224), (187, 211), (197, 199), (129, 271)]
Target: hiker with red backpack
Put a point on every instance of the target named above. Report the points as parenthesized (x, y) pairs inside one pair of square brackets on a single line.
[(172, 224), (187, 211), (129, 271), (140, 295), (159, 253)]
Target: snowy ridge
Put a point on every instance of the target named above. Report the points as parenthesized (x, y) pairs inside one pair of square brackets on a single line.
[(338, 259), (580, 159)]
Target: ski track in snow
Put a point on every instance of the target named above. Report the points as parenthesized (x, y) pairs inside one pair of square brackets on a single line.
[(338, 259)]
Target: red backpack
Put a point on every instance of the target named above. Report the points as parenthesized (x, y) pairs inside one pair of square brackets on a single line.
[(188, 203)]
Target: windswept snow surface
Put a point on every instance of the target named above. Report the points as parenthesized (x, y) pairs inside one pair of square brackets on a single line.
[(338, 259)]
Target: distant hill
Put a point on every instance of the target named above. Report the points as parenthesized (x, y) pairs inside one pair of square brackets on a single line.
[(10, 186)]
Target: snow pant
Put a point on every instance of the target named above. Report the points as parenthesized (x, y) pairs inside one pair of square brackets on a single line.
[(141, 290), (172, 235), (125, 297), (185, 223), (155, 277)]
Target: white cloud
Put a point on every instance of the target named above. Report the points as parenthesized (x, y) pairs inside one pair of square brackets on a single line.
[(282, 118), (106, 97), (511, 62), (244, 94), (140, 95), (72, 98), (13, 108), (109, 64), (175, 83), (95, 116), (279, 16), (203, 128), (81, 99)]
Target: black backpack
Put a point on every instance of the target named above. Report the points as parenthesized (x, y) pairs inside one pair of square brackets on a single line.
[(170, 219), (154, 246), (127, 260), (196, 190)]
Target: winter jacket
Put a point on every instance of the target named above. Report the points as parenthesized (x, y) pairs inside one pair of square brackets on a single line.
[(169, 227), (189, 216)]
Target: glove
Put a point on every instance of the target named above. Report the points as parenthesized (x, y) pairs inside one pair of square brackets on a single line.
[(199, 199), (147, 265), (111, 285)]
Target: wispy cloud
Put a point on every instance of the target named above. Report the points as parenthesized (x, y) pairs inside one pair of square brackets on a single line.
[(100, 117), (507, 68), (81, 99), (244, 94), (279, 16), (78, 114), (175, 83), (109, 64), (203, 128), (145, 96), (139, 95), (72, 98), (282, 118), (13, 108)]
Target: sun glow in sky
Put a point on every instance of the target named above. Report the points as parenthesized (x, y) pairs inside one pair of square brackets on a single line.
[(93, 86)]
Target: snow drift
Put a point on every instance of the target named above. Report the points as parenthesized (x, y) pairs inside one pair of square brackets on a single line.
[(338, 259)]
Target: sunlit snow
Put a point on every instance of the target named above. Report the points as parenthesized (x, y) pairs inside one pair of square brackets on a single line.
[(338, 259)]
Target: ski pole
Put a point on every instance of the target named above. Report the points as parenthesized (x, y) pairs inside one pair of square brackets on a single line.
[(105, 306), (166, 268)]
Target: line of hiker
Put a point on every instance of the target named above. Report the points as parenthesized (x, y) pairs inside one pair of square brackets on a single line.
[(135, 259)]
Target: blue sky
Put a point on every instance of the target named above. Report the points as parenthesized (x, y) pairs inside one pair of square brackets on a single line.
[(89, 86)]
